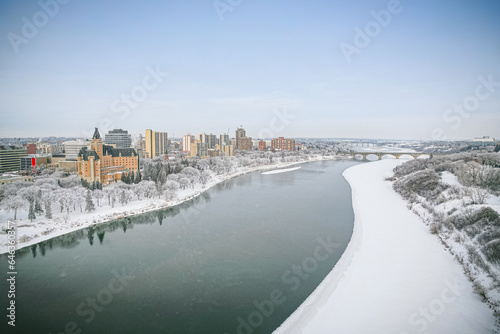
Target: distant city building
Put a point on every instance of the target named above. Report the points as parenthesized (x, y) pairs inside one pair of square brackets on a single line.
[(213, 152), (10, 157), (226, 150), (224, 140), (262, 145), (282, 144), (198, 149), (207, 139), (47, 148), (156, 143), (242, 141), (483, 141), (103, 163), (30, 162), (31, 148), (186, 142), (72, 148), (119, 137)]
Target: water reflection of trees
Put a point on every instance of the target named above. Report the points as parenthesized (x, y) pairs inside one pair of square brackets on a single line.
[(73, 239)]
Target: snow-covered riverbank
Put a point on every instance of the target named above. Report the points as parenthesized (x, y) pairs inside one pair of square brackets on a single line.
[(394, 277), (41, 229)]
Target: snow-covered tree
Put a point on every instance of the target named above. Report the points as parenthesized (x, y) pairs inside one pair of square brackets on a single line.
[(149, 188), (31, 212), (98, 194), (48, 210), (184, 182), (13, 203), (89, 206), (205, 176), (38, 202)]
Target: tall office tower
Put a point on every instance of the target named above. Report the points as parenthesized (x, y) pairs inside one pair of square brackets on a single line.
[(224, 140), (242, 141), (186, 142), (156, 143), (119, 137)]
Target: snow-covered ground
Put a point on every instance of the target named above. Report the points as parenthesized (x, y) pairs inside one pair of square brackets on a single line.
[(394, 277), (41, 229), (278, 171)]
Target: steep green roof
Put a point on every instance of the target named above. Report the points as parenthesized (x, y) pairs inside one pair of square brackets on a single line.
[(85, 154), (107, 150), (96, 134)]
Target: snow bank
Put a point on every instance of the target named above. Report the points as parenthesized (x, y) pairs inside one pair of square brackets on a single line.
[(394, 277), (281, 171)]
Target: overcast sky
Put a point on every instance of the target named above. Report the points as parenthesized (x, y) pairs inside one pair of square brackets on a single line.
[(404, 69)]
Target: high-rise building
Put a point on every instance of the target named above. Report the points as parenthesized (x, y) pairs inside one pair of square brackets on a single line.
[(283, 144), (224, 140), (103, 163), (156, 143), (211, 141), (10, 158), (72, 148), (118, 137), (262, 145), (207, 139), (186, 142), (198, 149), (242, 141)]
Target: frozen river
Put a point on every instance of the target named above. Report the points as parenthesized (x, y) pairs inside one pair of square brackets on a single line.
[(238, 259)]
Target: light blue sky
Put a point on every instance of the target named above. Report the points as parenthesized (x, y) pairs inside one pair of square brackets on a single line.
[(262, 58)]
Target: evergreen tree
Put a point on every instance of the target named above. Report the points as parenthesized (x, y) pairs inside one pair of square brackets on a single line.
[(497, 148), (131, 177), (31, 213), (38, 205), (90, 205), (48, 210), (138, 177), (85, 183)]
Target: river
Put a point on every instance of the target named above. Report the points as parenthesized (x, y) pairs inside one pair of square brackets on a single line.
[(240, 258)]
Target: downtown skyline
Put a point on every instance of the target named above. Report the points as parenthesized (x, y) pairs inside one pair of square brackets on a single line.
[(343, 69)]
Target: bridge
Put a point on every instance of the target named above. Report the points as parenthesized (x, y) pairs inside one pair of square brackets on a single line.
[(415, 155)]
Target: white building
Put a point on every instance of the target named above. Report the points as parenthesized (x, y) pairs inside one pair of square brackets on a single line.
[(73, 147)]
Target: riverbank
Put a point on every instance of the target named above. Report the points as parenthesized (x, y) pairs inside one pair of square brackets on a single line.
[(394, 277), (41, 229)]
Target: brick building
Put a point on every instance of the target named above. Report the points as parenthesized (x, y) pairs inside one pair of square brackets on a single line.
[(103, 163), (283, 144)]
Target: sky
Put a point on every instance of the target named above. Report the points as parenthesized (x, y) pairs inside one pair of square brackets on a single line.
[(393, 69)]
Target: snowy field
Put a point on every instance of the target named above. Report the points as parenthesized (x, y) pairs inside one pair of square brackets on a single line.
[(394, 277)]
